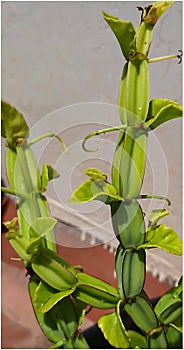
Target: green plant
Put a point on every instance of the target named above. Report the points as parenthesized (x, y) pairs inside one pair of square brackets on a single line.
[(60, 293)]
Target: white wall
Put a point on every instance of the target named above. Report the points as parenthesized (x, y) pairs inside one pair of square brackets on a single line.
[(60, 54)]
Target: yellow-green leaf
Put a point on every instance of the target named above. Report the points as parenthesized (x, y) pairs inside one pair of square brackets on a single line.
[(164, 238), (95, 190), (124, 32), (14, 127), (114, 330), (162, 110), (96, 174), (156, 215)]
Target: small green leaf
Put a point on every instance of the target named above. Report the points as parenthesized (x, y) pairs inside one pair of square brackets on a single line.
[(95, 190), (44, 177), (164, 238), (20, 244), (114, 330), (156, 215), (124, 32), (40, 226), (14, 127), (174, 337), (88, 280), (12, 227), (53, 300), (38, 229), (48, 173), (157, 9), (80, 310), (47, 297), (161, 111), (138, 341), (58, 345), (171, 297), (80, 342), (96, 174)]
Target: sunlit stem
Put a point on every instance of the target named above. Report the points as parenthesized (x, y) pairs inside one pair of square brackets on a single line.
[(13, 192), (163, 58), (99, 132), (49, 134), (147, 196)]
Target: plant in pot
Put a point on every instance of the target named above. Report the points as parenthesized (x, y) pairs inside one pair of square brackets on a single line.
[(62, 294)]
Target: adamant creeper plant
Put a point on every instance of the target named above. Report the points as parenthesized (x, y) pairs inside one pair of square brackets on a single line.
[(61, 293)]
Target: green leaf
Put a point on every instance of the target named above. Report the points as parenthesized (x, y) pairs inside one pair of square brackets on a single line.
[(63, 311), (67, 317), (156, 215), (124, 32), (164, 238), (59, 345), (80, 342), (138, 341), (161, 111), (48, 173), (157, 9), (14, 127), (38, 229), (170, 298), (40, 226), (48, 322), (20, 244), (79, 310), (95, 292), (47, 297), (95, 190), (88, 280), (174, 337), (114, 330), (96, 174)]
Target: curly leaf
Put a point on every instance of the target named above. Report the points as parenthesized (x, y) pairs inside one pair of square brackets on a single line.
[(14, 127), (114, 331), (124, 32), (164, 238), (95, 190), (162, 110)]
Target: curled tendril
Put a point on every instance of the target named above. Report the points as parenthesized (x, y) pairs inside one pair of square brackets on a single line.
[(49, 134), (179, 56), (147, 196), (99, 132)]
